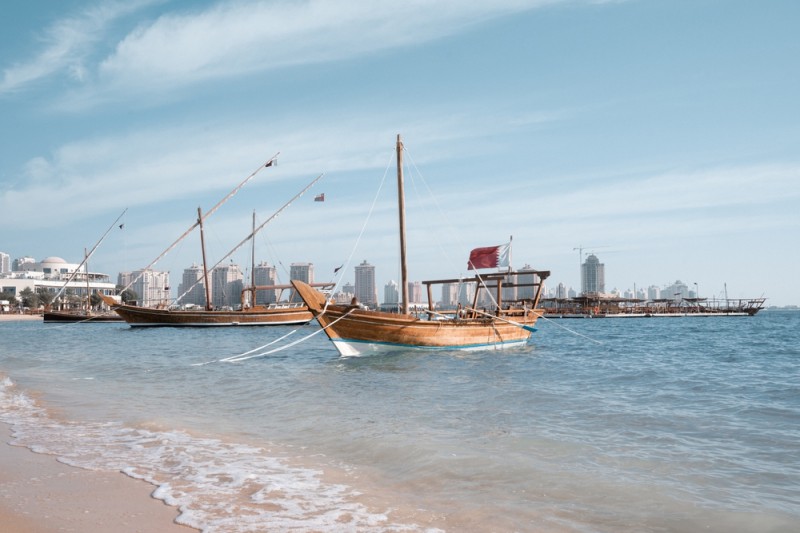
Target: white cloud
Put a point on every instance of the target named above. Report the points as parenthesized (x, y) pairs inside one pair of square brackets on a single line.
[(67, 43), (235, 38)]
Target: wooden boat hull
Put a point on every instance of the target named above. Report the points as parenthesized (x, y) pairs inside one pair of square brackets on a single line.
[(355, 331), (62, 317), (288, 314)]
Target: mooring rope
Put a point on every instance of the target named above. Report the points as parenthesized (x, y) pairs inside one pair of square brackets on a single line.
[(346, 265), (571, 331), (232, 357), (284, 347), (246, 355)]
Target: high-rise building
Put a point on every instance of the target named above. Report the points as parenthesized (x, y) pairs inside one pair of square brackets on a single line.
[(415, 292), (366, 291), (466, 292), (345, 294), (226, 286), (151, 286), (526, 277), (677, 291), (391, 295), (193, 285), (265, 274), (653, 292), (593, 277), (301, 272), (5, 263), (449, 295), (561, 291)]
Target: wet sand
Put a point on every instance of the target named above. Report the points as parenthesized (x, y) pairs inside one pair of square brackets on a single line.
[(40, 495)]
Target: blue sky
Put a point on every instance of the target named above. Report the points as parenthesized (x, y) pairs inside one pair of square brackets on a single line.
[(662, 135)]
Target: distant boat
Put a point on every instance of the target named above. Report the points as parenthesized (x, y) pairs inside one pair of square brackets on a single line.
[(86, 314), (248, 313), (355, 331)]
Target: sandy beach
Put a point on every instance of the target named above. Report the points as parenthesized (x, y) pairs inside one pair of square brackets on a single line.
[(40, 495), (15, 317)]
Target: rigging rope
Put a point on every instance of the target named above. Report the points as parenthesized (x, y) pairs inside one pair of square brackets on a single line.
[(346, 266)]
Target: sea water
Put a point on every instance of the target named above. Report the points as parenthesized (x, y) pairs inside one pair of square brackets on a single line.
[(609, 425)]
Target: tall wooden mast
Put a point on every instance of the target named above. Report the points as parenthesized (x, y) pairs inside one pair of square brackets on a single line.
[(401, 204), (253, 264), (203, 249)]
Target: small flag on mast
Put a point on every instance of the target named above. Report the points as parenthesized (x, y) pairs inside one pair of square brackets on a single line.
[(319, 197)]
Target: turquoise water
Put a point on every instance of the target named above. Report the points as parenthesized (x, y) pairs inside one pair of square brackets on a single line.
[(667, 424)]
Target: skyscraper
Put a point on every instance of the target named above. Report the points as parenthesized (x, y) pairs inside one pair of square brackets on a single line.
[(414, 292), (5, 263), (193, 277), (301, 272), (449, 295), (265, 274), (152, 287), (593, 276), (525, 277), (365, 289), (227, 285), (391, 295)]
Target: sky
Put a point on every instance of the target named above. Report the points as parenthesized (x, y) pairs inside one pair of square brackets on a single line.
[(661, 135)]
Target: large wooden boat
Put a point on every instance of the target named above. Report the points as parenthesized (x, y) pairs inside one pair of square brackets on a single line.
[(61, 317), (355, 331), (273, 314), (247, 313)]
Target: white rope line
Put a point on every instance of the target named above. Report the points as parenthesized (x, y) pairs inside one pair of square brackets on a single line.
[(346, 266), (232, 357), (284, 347), (453, 231), (571, 331)]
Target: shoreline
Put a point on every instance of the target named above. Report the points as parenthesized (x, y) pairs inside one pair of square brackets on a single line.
[(17, 317), (38, 494)]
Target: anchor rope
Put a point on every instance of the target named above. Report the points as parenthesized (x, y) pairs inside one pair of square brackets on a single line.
[(285, 346)]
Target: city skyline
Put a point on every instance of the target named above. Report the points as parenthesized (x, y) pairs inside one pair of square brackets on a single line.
[(652, 130), (227, 281)]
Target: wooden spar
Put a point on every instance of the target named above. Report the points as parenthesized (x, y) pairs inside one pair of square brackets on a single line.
[(88, 289), (256, 230), (401, 207), (87, 256), (203, 250), (236, 189), (252, 265)]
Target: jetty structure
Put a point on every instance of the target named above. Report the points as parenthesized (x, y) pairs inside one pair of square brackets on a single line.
[(597, 306)]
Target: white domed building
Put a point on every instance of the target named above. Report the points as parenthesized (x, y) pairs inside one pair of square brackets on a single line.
[(71, 281)]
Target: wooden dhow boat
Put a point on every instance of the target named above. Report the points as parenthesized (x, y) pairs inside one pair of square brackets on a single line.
[(355, 331), (248, 313), (273, 314)]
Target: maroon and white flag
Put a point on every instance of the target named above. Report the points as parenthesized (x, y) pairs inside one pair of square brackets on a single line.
[(320, 197), (490, 257)]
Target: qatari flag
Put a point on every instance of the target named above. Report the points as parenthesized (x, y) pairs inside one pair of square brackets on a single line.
[(489, 257)]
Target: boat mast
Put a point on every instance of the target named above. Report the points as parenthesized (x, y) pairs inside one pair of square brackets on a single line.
[(88, 293), (401, 205), (253, 264), (203, 249)]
